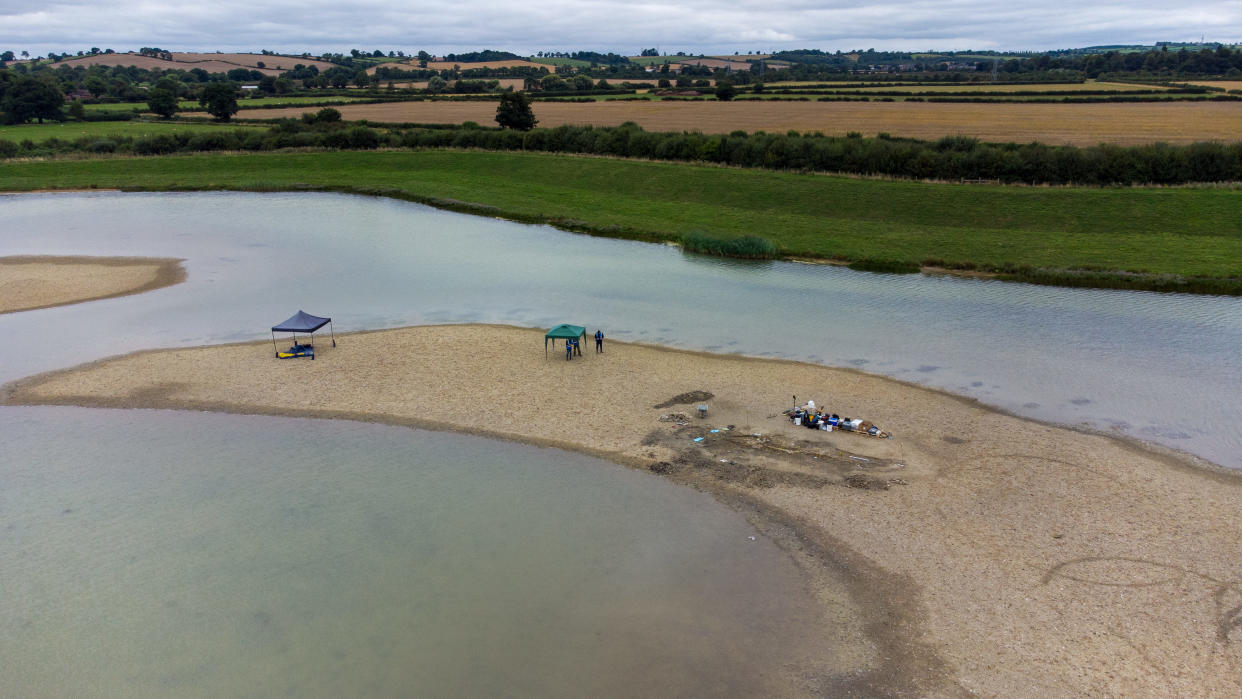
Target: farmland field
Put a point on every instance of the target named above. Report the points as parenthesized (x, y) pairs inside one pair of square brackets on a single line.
[(577, 63), (1059, 124), (69, 131), (510, 63), (210, 62), (1222, 84), (986, 88), (187, 105)]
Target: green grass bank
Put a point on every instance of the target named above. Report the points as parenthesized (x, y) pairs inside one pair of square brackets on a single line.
[(1179, 239)]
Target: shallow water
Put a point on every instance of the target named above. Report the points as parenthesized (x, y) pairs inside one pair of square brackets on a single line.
[(154, 553), (1161, 367)]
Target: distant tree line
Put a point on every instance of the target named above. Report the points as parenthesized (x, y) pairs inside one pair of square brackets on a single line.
[(949, 158), (481, 56)]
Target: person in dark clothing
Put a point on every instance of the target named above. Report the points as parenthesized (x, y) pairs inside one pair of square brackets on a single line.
[(569, 350), (577, 348), (599, 340)]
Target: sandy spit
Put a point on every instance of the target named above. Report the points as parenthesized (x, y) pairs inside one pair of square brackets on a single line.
[(31, 282), (986, 553)]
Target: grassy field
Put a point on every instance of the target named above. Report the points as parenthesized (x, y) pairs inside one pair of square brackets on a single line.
[(1173, 231), (1056, 124), (560, 62), (192, 105), (71, 130)]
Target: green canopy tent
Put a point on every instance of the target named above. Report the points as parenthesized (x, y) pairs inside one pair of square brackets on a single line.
[(563, 332)]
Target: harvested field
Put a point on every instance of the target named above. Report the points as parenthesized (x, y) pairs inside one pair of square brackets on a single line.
[(515, 83), (1222, 84), (1059, 124), (512, 63), (412, 64), (714, 63), (210, 62)]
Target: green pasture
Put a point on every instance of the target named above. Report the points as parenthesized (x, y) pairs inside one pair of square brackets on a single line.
[(576, 63), (1181, 231), (194, 106), (658, 60), (71, 130)]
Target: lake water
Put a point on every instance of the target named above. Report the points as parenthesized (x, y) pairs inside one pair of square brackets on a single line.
[(1160, 367), (154, 553)]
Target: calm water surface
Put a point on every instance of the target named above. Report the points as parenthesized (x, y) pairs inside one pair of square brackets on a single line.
[(1161, 367), (152, 553)]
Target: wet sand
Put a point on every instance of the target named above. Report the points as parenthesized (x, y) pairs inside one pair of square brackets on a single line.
[(32, 282), (978, 552)]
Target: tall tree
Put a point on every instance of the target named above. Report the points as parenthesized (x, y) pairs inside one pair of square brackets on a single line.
[(219, 98), (514, 112), (31, 98), (162, 102)]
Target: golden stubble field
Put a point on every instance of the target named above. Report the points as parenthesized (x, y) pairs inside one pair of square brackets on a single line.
[(1058, 124), (210, 62)]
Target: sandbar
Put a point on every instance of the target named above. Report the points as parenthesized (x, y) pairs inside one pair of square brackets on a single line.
[(984, 553), (33, 282)]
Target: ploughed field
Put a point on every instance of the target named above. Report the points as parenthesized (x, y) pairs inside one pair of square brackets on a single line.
[(1056, 124)]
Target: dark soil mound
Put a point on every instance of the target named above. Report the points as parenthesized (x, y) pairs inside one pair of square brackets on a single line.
[(686, 399)]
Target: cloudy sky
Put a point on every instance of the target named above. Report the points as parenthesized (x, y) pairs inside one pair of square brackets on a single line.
[(607, 25)]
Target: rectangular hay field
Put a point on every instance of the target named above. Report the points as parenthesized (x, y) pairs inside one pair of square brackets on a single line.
[(1057, 124)]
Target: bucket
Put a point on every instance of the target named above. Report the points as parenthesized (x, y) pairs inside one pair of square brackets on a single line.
[(798, 421)]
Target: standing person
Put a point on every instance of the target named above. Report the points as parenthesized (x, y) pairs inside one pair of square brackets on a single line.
[(577, 348), (599, 340), (569, 350)]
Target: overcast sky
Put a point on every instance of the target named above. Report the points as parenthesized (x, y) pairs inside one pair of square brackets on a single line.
[(294, 26)]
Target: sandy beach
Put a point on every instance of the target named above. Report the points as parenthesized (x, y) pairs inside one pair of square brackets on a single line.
[(986, 553), (32, 282)]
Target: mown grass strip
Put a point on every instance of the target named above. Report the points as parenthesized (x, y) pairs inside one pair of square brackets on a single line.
[(1150, 235)]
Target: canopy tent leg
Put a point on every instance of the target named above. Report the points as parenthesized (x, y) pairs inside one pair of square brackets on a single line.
[(274, 343), (332, 333)]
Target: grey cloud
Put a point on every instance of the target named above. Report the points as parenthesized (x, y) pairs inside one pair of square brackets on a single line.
[(607, 25)]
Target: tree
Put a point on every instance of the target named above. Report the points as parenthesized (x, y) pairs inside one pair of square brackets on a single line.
[(552, 83), (514, 112), (162, 102), (7, 56), (77, 110), (436, 84), (725, 90), (31, 98), (219, 98)]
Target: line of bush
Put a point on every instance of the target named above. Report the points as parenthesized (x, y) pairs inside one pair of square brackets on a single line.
[(948, 158)]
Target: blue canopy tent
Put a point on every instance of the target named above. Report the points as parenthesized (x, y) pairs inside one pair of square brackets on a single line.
[(563, 332), (301, 322)]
